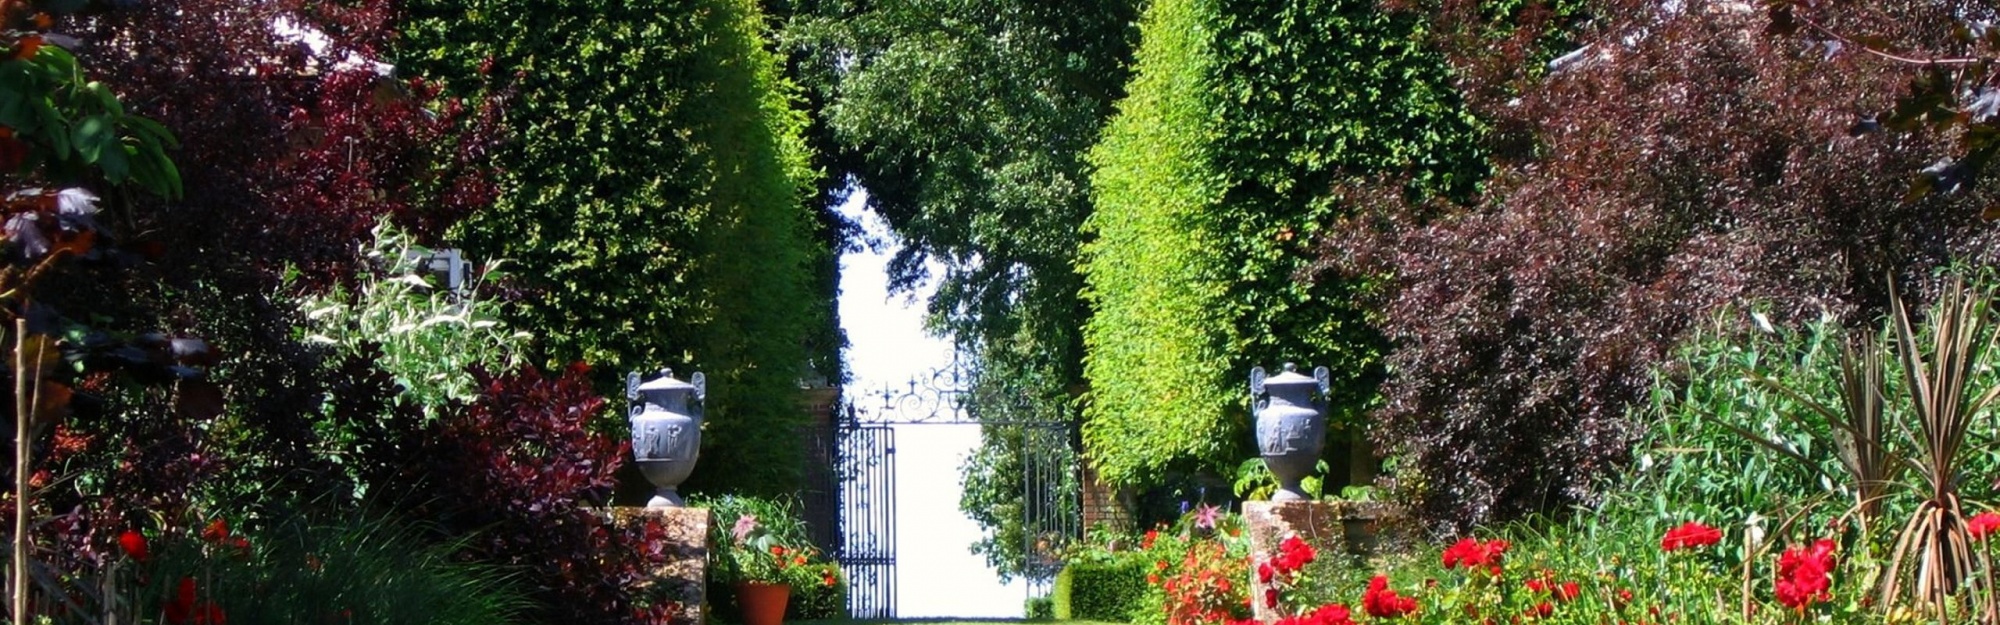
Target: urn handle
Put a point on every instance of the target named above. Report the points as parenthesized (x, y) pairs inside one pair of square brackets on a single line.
[(1258, 397), (632, 405), (1325, 380), (698, 400)]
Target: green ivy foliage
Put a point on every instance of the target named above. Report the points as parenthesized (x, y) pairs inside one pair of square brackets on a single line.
[(1221, 166), (655, 197)]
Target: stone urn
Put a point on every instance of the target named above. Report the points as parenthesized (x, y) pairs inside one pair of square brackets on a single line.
[(1291, 424), (666, 431)]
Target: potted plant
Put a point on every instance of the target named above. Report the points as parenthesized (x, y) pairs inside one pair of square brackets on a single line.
[(764, 569)]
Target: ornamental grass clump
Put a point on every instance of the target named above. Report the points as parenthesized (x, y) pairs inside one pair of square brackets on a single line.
[(1933, 558)]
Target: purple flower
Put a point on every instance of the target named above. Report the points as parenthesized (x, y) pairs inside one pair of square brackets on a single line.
[(744, 525)]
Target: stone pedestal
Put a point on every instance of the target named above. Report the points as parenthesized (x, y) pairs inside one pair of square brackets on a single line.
[(1334, 528), (685, 573)]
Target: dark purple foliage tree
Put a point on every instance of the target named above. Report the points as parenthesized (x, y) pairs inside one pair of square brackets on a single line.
[(1680, 160)]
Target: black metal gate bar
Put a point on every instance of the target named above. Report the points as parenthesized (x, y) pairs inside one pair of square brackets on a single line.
[(1051, 501), (867, 550)]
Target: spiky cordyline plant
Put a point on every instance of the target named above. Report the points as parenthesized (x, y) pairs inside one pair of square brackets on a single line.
[(1936, 536)]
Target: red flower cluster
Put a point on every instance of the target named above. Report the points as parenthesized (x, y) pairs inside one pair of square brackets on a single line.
[(1982, 525), (1381, 602), (1280, 571), (1690, 535), (1201, 590), (1470, 553), (1330, 614), (1803, 575), (1146, 542), (183, 609)]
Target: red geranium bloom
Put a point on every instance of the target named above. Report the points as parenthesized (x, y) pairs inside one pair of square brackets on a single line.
[(1802, 578), (1381, 602), (1147, 541), (134, 545), (1690, 535), (1293, 554), (1983, 524), (1469, 553)]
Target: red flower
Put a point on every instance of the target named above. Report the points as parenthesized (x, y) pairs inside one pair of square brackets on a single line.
[(1983, 524), (1381, 602), (1265, 572), (1690, 535), (1541, 610), (216, 532), (1146, 542), (134, 545), (1469, 553), (1537, 586), (1802, 578), (1567, 591), (1293, 554)]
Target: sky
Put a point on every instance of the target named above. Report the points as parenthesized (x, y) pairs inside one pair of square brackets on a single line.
[(936, 572)]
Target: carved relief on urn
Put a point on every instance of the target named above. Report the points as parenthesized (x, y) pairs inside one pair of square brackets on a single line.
[(666, 431), (1291, 424)]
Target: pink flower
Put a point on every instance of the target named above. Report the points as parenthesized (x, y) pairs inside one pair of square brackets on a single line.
[(1690, 535), (1981, 525), (744, 525)]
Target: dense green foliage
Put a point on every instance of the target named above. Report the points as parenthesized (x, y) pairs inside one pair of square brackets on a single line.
[(1219, 168), (1100, 591), (654, 202)]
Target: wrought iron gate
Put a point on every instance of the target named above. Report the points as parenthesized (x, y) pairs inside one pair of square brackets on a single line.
[(862, 442), (867, 548)]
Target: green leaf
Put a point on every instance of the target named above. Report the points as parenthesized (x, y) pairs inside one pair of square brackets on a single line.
[(93, 137)]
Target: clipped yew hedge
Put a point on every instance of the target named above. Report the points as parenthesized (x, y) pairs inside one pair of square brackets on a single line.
[(654, 202), (1100, 591), (1220, 166)]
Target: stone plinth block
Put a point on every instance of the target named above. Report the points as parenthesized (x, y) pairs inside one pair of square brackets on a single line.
[(685, 573), (1333, 528)]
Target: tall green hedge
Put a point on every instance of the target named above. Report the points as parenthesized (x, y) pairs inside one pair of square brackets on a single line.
[(654, 201), (1214, 178)]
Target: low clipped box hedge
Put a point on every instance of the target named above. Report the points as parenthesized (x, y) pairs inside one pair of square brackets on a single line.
[(1099, 591)]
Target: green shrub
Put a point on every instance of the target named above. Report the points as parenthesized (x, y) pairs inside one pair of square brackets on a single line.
[(1039, 608), (1095, 591)]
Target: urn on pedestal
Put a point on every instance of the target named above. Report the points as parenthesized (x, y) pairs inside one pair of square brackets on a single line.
[(1291, 424), (666, 430)]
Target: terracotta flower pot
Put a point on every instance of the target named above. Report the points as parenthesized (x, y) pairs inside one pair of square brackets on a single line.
[(762, 603)]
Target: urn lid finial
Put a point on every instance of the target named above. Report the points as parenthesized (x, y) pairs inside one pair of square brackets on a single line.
[(666, 382)]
